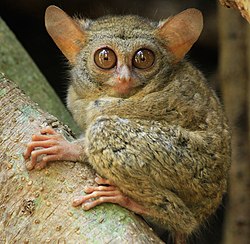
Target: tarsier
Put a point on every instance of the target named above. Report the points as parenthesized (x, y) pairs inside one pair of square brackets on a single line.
[(153, 129)]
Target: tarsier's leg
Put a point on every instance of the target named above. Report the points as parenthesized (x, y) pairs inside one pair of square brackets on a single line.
[(143, 161), (106, 192), (53, 146)]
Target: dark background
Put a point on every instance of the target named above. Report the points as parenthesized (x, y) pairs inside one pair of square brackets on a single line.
[(26, 19)]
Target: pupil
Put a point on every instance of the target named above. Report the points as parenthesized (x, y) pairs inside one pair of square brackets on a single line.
[(142, 58), (104, 55)]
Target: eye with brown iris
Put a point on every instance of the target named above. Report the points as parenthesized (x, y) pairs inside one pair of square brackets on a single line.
[(105, 58), (143, 59)]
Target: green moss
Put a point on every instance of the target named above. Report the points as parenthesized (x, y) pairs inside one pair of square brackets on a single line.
[(29, 111), (2, 92), (104, 217), (19, 67)]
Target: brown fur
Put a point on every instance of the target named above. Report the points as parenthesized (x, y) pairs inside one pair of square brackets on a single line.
[(166, 143)]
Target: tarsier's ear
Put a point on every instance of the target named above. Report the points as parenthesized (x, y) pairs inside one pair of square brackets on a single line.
[(181, 31), (65, 32)]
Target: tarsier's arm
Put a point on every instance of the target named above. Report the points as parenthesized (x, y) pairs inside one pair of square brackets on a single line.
[(53, 147)]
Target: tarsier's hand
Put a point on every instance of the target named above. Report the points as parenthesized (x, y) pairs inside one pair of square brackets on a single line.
[(106, 192), (53, 146)]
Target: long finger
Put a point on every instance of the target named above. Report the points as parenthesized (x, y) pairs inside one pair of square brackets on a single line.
[(98, 194), (35, 154), (32, 145), (48, 130), (30, 165), (90, 189), (41, 165), (117, 199), (106, 199), (33, 160), (102, 181), (81, 199), (49, 158), (39, 137)]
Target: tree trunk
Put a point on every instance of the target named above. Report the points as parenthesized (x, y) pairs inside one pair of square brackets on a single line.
[(18, 66), (242, 5), (234, 71), (35, 206)]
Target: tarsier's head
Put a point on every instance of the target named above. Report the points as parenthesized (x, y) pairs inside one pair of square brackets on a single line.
[(120, 54)]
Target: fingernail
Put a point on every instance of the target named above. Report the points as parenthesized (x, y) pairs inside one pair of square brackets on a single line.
[(38, 167), (76, 201), (86, 189), (85, 206), (29, 165), (97, 179), (25, 154)]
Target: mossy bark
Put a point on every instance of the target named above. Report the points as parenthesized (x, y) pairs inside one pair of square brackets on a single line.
[(17, 65), (35, 206)]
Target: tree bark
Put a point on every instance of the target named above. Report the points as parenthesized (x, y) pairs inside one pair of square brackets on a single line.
[(35, 206), (18, 66), (234, 72), (242, 5)]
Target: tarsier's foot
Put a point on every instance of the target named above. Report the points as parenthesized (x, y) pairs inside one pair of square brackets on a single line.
[(53, 146), (106, 192)]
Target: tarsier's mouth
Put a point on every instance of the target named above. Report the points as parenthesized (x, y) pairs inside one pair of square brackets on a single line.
[(123, 88)]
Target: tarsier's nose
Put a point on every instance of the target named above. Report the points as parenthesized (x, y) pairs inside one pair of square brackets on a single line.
[(124, 74)]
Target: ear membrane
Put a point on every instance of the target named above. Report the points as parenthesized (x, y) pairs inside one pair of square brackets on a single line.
[(65, 32), (181, 31)]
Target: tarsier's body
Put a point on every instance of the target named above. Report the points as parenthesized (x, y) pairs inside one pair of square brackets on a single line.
[(151, 127)]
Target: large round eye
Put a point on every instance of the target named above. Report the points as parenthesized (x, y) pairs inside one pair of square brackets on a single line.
[(105, 58), (143, 59)]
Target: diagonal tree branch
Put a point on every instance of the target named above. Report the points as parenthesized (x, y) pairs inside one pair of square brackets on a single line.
[(35, 206)]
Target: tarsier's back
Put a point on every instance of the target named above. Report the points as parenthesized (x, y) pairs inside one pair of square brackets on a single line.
[(152, 125)]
